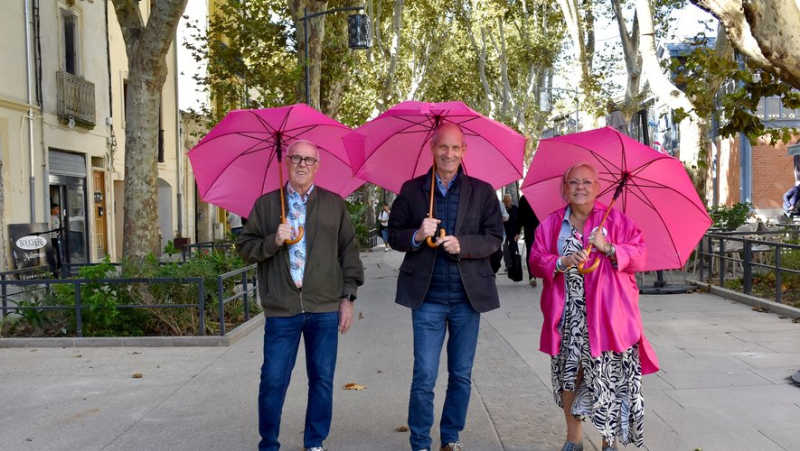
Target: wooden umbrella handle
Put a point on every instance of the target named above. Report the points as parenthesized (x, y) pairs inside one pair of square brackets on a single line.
[(429, 240), (596, 263), (283, 210)]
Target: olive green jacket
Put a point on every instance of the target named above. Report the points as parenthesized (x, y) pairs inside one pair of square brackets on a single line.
[(333, 268)]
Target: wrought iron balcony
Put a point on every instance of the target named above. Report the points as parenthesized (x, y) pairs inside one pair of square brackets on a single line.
[(75, 99)]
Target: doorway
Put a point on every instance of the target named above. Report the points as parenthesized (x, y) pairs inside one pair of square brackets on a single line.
[(70, 194)]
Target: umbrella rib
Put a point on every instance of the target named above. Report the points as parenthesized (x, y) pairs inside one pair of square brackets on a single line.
[(647, 202), (460, 125)]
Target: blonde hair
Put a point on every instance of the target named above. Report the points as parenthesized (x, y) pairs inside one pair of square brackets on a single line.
[(582, 164)]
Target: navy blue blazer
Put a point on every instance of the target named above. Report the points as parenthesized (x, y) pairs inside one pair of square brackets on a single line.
[(479, 229)]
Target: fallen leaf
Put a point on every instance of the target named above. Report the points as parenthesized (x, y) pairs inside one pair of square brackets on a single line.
[(354, 386), (401, 429), (360, 315), (137, 375)]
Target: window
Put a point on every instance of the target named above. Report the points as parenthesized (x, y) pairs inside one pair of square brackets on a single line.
[(160, 137), (70, 28)]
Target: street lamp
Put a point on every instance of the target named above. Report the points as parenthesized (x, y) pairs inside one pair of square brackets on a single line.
[(357, 30), (577, 105)]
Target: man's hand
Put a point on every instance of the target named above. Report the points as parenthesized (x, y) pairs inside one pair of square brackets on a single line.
[(427, 229), (450, 244), (345, 315), (284, 233)]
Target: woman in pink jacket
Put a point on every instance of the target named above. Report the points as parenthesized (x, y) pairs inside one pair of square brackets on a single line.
[(592, 325)]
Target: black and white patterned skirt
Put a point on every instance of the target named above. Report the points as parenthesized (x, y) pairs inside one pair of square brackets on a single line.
[(610, 395)]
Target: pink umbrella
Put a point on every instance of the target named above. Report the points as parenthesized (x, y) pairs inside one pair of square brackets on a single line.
[(652, 188), (240, 158), (394, 147)]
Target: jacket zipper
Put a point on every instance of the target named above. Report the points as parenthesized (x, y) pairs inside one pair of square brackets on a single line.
[(302, 307)]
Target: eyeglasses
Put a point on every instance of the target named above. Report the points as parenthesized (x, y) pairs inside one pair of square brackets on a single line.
[(577, 183), (296, 159)]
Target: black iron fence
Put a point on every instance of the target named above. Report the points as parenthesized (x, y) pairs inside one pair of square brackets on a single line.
[(752, 253), (18, 288)]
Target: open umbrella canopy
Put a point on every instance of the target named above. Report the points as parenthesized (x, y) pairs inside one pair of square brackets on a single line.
[(238, 160), (653, 189), (394, 147)]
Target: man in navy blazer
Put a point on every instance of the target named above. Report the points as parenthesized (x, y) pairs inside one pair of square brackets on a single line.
[(447, 286)]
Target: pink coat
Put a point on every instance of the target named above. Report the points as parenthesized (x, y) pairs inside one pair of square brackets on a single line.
[(612, 296)]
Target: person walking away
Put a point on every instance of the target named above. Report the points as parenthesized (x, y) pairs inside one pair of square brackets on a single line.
[(528, 223), (511, 230), (383, 220), (592, 325), (235, 221), (447, 287), (307, 289), (496, 259)]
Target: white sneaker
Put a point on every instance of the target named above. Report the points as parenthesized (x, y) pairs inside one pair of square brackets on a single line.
[(387, 249)]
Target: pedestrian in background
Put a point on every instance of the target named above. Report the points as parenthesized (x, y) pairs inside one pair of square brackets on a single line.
[(307, 289), (383, 220), (235, 221), (511, 229), (592, 325), (447, 287), (528, 223)]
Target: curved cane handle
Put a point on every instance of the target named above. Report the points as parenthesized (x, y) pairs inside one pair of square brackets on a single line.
[(594, 266), (299, 237), (436, 243)]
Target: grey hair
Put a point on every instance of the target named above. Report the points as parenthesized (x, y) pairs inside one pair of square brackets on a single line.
[(300, 142), (443, 126), (582, 164)]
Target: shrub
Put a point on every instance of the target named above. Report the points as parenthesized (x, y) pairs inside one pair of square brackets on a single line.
[(729, 218)]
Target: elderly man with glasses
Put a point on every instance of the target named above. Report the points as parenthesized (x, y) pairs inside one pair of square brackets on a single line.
[(307, 289)]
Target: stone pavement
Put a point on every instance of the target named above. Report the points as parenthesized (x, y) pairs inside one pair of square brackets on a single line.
[(723, 384)]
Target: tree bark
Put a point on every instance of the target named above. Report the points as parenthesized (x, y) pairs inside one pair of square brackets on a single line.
[(663, 87), (633, 59), (316, 36), (147, 46), (764, 31)]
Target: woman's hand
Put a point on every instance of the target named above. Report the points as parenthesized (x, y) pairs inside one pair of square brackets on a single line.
[(599, 241), (574, 259)]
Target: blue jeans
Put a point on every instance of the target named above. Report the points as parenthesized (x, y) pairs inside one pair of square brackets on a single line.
[(430, 321), (385, 235), (281, 340)]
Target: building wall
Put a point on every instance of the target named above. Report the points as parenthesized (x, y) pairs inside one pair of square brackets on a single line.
[(772, 175), (26, 159)]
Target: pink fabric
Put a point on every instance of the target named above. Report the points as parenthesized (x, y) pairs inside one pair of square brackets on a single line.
[(658, 194), (613, 319), (236, 162), (394, 147)]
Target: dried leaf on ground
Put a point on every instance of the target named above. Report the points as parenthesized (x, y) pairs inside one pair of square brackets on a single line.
[(137, 375), (354, 386), (758, 308), (401, 429), (360, 315)]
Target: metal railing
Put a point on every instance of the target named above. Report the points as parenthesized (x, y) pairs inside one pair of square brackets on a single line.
[(79, 307), (246, 290), (13, 294), (718, 249), (75, 98), (209, 246)]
